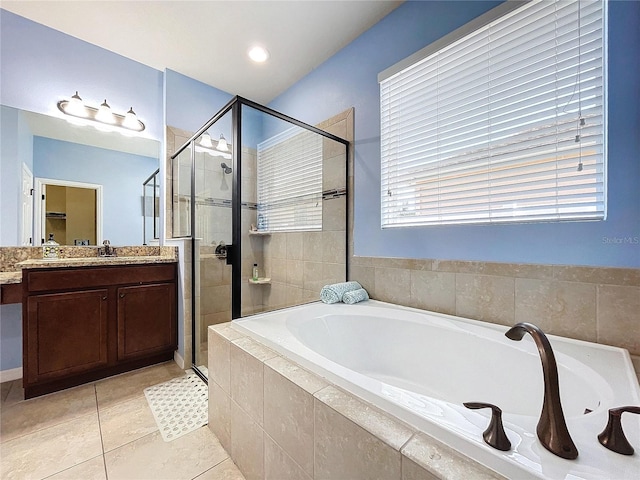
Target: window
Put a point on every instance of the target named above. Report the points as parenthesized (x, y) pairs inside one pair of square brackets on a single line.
[(290, 182), (504, 124)]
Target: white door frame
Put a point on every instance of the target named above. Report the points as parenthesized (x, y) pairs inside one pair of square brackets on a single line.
[(39, 210)]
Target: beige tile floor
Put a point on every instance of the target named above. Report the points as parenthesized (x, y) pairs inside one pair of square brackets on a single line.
[(102, 431)]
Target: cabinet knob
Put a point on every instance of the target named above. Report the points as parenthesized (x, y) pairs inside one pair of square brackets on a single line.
[(122, 295), (104, 298)]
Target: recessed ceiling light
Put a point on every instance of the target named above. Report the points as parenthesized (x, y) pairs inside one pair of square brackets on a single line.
[(258, 54)]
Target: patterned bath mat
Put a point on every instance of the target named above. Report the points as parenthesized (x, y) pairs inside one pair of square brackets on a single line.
[(179, 405)]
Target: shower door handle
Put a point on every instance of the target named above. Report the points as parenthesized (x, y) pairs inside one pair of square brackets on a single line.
[(230, 254)]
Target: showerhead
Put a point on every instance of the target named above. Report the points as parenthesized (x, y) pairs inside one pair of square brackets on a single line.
[(226, 168)]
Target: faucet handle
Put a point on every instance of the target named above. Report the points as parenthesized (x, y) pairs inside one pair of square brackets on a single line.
[(613, 436), (494, 435)]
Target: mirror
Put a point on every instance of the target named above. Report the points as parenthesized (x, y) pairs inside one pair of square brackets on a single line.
[(151, 208), (60, 153)]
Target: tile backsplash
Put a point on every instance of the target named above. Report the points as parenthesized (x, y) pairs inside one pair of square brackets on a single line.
[(599, 305)]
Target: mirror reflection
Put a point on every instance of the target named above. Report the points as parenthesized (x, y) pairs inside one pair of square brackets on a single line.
[(88, 185)]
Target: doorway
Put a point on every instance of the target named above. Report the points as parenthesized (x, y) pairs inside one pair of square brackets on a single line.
[(71, 211)]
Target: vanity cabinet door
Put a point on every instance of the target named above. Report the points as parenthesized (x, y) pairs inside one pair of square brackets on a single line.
[(66, 334), (146, 319)]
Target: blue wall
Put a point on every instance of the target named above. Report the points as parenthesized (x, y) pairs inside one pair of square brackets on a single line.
[(12, 156), (191, 103), (41, 66), (122, 194), (10, 336), (349, 79)]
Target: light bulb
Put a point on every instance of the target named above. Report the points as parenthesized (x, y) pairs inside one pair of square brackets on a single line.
[(104, 113), (131, 120), (205, 140), (75, 106), (222, 144)]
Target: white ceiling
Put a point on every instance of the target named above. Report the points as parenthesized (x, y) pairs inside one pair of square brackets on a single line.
[(208, 40)]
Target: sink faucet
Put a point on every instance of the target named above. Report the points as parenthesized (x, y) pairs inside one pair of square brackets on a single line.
[(552, 428), (107, 250)]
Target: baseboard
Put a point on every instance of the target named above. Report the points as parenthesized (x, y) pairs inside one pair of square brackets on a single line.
[(179, 360), (9, 375)]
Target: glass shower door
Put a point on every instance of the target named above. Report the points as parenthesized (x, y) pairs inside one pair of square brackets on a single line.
[(213, 232), (202, 194), (293, 223), (264, 199)]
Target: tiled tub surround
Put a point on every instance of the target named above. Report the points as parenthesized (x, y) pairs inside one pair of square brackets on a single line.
[(279, 421), (600, 305), (412, 365)]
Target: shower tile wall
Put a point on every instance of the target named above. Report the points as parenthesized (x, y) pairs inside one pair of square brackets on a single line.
[(252, 245), (214, 223), (176, 176)]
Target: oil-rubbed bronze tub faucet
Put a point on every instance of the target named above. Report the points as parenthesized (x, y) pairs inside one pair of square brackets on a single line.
[(613, 436), (494, 435), (552, 428)]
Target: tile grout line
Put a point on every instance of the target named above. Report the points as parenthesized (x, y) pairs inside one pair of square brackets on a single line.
[(104, 462)]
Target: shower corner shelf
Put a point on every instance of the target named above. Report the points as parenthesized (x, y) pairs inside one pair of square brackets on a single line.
[(260, 281), (260, 233)]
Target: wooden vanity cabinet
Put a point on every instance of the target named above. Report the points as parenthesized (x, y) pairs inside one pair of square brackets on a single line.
[(146, 320), (85, 323)]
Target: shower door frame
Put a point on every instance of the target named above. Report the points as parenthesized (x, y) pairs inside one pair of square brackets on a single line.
[(234, 252)]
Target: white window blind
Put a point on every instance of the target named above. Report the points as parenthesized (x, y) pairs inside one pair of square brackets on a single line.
[(290, 181), (506, 124)]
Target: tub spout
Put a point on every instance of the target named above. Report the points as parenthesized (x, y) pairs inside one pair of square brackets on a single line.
[(552, 428)]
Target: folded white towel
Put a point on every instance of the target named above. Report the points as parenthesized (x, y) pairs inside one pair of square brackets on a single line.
[(355, 296), (333, 293)]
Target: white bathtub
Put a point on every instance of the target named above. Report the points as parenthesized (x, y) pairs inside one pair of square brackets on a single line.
[(421, 367)]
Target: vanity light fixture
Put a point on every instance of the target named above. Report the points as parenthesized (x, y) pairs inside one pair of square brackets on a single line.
[(205, 145), (100, 116)]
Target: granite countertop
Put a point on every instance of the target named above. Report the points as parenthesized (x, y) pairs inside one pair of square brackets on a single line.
[(10, 277), (96, 261), (14, 259)]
